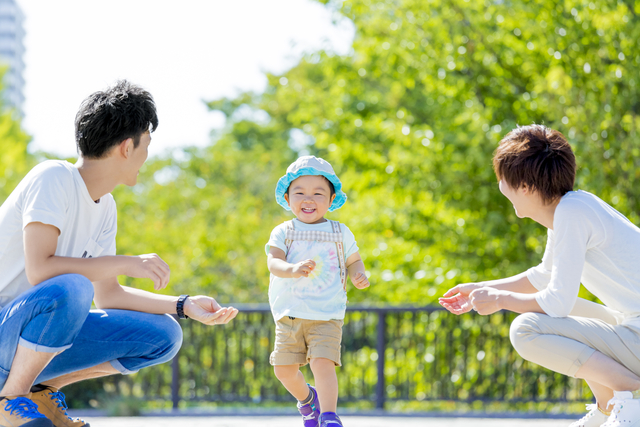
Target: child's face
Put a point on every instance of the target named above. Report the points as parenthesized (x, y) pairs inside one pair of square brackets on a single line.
[(309, 198)]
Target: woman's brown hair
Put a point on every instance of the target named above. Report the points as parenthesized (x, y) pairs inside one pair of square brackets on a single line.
[(538, 157)]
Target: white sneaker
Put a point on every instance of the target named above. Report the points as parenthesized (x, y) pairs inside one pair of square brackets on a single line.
[(625, 412), (594, 418)]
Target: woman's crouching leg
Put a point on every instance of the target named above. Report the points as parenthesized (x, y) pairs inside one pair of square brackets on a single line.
[(552, 342)]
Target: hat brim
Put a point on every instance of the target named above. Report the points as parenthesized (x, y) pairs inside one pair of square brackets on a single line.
[(285, 182)]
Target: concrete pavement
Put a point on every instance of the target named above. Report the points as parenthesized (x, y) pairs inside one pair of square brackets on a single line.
[(295, 421)]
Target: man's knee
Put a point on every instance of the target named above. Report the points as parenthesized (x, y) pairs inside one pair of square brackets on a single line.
[(72, 292), (170, 338)]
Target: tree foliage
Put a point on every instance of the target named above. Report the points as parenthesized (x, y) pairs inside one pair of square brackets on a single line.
[(409, 119), (15, 161)]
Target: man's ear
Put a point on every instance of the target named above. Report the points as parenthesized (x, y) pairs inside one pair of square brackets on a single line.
[(126, 148)]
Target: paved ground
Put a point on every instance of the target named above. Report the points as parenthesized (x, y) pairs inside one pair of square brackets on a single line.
[(349, 421)]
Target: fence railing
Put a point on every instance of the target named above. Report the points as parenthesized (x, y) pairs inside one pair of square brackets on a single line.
[(388, 354)]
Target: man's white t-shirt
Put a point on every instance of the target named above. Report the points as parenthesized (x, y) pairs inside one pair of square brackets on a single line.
[(593, 244), (53, 193)]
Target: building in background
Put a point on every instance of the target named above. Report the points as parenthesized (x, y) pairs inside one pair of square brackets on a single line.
[(12, 53)]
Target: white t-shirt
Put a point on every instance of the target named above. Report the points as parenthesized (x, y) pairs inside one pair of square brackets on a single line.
[(593, 244), (53, 193), (320, 296)]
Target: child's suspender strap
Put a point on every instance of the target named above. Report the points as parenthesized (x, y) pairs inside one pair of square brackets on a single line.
[(341, 260), (289, 233)]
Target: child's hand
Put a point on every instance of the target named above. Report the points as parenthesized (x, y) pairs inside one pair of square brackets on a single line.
[(303, 268), (360, 280)]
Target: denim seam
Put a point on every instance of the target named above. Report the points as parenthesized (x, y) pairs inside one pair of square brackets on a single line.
[(118, 366), (42, 348), (46, 328)]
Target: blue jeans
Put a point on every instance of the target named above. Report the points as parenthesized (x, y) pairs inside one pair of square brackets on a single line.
[(56, 316)]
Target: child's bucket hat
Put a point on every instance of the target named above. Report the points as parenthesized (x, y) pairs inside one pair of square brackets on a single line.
[(310, 165)]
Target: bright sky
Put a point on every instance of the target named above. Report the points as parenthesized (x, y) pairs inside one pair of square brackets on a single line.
[(184, 52)]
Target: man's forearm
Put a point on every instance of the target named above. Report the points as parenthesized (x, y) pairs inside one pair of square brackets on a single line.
[(94, 269), (116, 296)]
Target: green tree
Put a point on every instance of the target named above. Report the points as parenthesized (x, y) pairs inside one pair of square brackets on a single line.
[(409, 119), (15, 161)]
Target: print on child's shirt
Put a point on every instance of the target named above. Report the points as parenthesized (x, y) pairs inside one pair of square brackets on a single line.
[(326, 272)]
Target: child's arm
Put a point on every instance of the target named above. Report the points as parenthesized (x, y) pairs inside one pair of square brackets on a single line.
[(356, 270), (278, 265)]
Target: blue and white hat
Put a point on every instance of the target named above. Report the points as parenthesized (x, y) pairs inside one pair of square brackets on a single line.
[(310, 165)]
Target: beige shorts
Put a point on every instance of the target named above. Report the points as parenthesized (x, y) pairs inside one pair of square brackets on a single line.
[(300, 340)]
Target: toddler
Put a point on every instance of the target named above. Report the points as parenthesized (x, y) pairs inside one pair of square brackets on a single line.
[(309, 258)]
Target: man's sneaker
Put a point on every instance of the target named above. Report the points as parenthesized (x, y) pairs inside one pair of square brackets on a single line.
[(625, 412), (330, 419), (311, 411), (594, 418), (20, 411), (51, 403)]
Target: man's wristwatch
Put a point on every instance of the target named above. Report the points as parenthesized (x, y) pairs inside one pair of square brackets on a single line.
[(180, 306)]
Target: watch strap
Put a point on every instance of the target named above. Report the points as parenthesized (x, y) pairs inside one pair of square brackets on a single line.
[(180, 306)]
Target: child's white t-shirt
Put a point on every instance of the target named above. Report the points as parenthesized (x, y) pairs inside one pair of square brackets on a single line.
[(53, 193), (593, 244), (312, 297)]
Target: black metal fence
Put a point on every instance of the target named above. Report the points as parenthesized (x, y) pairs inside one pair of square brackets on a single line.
[(388, 354)]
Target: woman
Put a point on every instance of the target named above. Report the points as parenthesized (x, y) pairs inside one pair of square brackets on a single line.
[(588, 242)]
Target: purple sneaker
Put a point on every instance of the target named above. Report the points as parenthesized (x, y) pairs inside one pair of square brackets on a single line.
[(311, 411), (330, 419)]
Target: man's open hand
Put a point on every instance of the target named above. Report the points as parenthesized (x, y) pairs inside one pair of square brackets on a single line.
[(207, 310)]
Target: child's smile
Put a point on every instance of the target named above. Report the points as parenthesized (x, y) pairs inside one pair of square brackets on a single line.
[(310, 198)]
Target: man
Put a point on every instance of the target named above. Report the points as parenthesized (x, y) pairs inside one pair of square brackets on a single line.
[(58, 254), (588, 242)]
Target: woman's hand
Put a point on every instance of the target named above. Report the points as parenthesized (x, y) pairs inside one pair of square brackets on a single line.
[(486, 300), (457, 299)]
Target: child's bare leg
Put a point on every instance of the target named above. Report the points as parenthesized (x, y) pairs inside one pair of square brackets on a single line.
[(293, 380), (324, 373)]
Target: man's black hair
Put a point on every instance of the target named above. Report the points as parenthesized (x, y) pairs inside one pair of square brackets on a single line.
[(107, 118)]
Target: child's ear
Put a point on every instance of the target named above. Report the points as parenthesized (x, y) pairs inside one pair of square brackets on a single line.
[(332, 197), (286, 197)]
